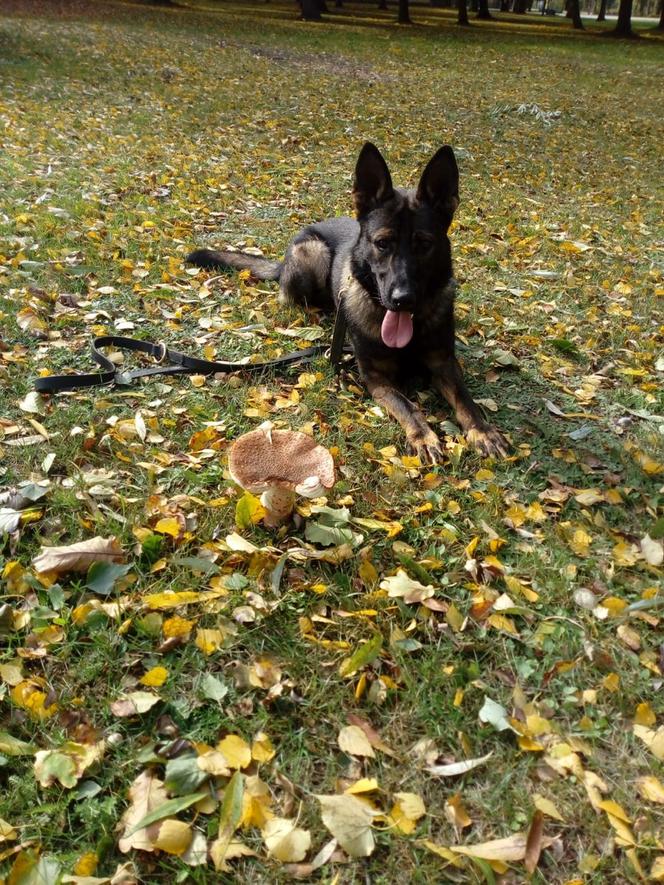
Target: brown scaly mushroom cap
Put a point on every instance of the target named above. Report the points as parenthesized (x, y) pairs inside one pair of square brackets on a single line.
[(280, 463), (285, 458)]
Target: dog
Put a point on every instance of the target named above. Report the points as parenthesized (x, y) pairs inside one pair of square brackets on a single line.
[(390, 272)]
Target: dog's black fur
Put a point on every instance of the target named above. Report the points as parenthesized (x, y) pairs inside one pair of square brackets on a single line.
[(392, 263)]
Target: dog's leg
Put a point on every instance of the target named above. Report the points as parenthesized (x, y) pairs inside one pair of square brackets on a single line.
[(448, 379), (421, 438)]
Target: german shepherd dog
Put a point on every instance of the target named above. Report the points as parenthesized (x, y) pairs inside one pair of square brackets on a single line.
[(390, 272)]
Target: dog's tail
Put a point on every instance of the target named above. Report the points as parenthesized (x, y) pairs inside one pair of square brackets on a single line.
[(260, 268)]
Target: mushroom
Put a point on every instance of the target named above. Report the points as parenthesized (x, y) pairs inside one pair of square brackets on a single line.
[(280, 464)]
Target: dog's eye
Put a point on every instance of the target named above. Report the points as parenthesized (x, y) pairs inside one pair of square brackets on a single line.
[(382, 245)]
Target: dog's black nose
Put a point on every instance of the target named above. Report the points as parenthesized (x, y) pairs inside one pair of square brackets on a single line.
[(402, 299)]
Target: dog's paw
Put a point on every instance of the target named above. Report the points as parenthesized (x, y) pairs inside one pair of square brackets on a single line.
[(488, 441), (427, 447)]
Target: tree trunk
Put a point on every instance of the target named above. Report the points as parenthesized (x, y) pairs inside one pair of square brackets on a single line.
[(437, 4), (601, 16), (519, 6), (483, 10), (660, 26), (310, 10), (382, 4), (463, 13), (575, 14), (624, 26), (404, 16)]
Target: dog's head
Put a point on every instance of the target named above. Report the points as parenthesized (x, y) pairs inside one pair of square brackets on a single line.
[(403, 244)]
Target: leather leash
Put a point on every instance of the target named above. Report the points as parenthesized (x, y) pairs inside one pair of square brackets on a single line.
[(174, 362)]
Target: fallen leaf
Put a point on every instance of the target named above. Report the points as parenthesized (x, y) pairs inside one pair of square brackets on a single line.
[(78, 557), (349, 820), (286, 842), (353, 740)]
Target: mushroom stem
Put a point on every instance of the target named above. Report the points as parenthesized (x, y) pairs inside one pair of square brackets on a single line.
[(279, 504)]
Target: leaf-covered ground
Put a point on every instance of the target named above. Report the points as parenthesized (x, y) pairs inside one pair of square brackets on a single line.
[(443, 658)]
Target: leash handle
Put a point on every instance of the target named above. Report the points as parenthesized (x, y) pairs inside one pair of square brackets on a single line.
[(178, 364)]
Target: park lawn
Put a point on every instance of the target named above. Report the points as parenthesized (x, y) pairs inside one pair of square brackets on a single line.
[(130, 134)]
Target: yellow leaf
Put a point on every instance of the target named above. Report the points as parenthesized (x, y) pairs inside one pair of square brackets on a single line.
[(651, 789), (209, 641), (444, 853), (86, 864), (169, 526), (30, 697), (611, 682), (236, 751), (516, 586), (173, 836), (508, 850), (501, 622), (286, 842), (248, 511), (154, 677), (170, 599), (547, 807), (353, 741), (349, 820), (261, 748), (625, 554), (614, 809), (654, 740), (644, 715), (213, 762), (456, 813), (364, 785), (146, 794), (580, 542), (256, 803), (657, 871), (7, 832), (177, 626), (407, 809)]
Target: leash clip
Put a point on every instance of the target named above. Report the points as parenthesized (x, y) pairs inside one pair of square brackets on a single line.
[(123, 379), (160, 356)]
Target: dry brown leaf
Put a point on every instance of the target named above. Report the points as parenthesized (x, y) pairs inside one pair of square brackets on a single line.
[(78, 557), (534, 842)]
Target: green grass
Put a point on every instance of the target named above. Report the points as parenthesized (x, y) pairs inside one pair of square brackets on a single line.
[(236, 124)]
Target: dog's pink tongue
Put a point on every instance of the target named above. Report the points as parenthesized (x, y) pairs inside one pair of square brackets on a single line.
[(397, 328)]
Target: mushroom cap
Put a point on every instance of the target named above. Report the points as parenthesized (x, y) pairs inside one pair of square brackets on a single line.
[(285, 458)]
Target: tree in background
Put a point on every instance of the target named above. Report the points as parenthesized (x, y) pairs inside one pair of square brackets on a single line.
[(462, 18), (660, 26), (574, 12), (404, 14), (624, 26), (601, 17), (483, 10)]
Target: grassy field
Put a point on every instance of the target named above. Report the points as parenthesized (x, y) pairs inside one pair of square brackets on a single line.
[(130, 134)]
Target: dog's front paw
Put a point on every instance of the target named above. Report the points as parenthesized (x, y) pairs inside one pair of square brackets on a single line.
[(427, 447), (488, 441)]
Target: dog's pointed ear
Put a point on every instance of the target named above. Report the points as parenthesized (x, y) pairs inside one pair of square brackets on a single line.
[(373, 183), (439, 184)]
